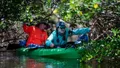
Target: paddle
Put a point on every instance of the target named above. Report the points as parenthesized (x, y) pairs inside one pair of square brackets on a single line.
[(70, 44), (22, 44), (16, 46), (13, 46)]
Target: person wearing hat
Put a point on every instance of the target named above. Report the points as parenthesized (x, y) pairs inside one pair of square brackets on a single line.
[(36, 35), (59, 37)]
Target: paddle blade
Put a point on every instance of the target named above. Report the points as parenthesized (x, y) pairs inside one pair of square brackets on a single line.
[(13, 46)]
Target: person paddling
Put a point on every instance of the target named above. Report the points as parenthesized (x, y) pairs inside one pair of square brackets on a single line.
[(36, 35), (59, 37)]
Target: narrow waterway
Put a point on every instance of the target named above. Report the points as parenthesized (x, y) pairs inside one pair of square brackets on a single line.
[(10, 60)]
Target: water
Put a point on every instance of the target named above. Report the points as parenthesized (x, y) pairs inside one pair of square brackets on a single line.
[(10, 60)]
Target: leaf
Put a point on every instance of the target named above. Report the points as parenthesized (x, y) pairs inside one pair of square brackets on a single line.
[(96, 1), (80, 13), (96, 5), (55, 11)]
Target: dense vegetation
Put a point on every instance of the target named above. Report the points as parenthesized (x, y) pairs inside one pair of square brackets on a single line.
[(105, 49), (103, 15)]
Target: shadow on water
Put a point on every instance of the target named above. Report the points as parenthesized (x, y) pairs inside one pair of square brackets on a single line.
[(10, 60)]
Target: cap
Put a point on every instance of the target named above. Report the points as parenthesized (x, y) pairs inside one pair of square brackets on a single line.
[(60, 24)]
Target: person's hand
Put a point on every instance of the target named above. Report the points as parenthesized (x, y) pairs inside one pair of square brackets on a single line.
[(52, 45), (92, 26)]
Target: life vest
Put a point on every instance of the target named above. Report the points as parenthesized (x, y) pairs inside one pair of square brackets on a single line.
[(36, 36)]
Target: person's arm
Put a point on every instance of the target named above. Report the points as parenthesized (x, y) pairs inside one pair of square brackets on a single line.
[(49, 40), (27, 28), (81, 31)]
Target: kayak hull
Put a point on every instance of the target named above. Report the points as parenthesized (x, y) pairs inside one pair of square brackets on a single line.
[(51, 53)]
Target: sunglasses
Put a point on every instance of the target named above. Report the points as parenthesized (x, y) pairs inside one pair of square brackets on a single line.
[(62, 27)]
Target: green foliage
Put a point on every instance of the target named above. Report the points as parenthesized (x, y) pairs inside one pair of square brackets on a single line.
[(24, 10), (77, 11), (83, 10), (10, 9), (107, 48)]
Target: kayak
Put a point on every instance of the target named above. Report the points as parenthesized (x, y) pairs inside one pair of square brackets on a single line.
[(52, 52)]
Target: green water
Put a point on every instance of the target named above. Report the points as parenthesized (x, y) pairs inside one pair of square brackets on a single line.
[(10, 60)]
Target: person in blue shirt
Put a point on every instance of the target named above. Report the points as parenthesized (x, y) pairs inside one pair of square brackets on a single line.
[(59, 37)]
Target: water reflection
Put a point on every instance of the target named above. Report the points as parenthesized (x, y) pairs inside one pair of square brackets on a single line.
[(31, 63), (36, 62), (10, 60)]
